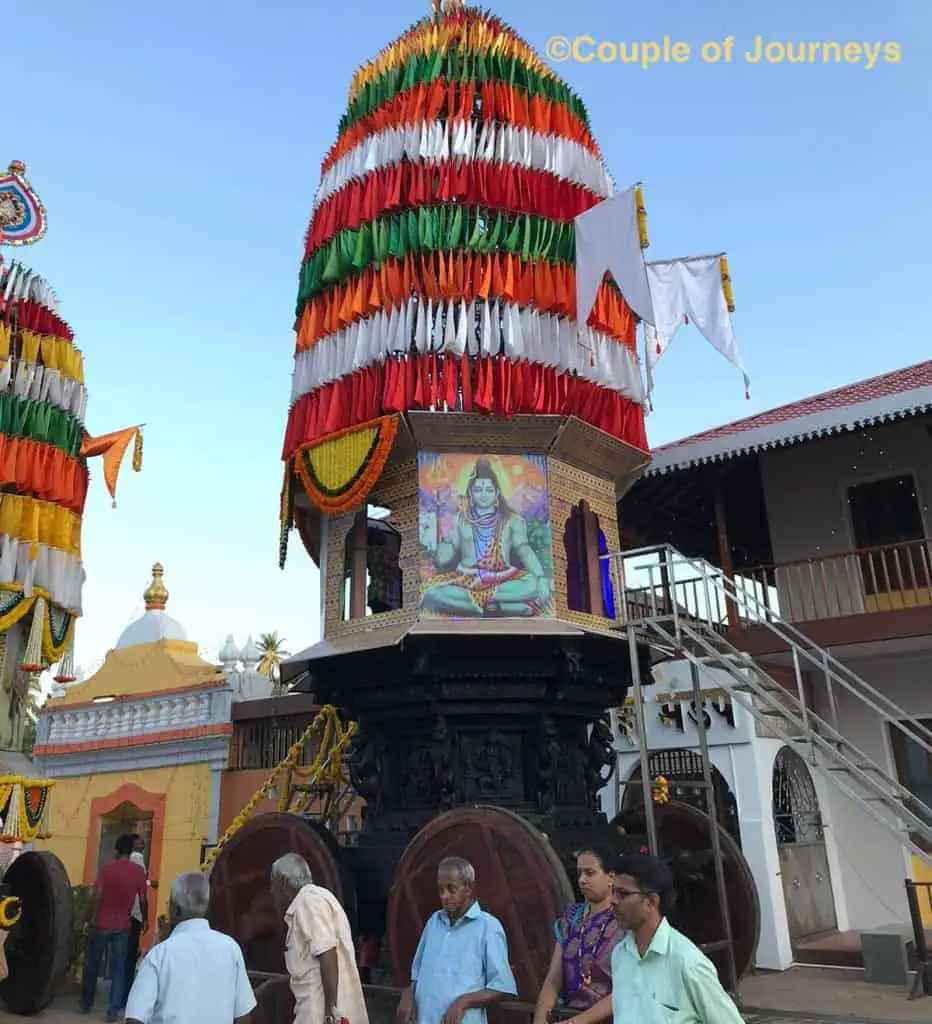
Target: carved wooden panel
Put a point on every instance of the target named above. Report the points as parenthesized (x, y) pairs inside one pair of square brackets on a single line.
[(593, 451), (474, 432)]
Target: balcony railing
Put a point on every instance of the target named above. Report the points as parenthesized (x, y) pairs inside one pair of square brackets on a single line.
[(890, 578)]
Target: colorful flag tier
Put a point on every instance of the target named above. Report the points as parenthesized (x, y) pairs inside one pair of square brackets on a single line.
[(439, 264), (43, 402), (44, 447)]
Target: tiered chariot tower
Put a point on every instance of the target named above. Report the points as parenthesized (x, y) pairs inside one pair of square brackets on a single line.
[(456, 443)]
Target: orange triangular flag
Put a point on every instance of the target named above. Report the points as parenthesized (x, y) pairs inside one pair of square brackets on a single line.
[(113, 447)]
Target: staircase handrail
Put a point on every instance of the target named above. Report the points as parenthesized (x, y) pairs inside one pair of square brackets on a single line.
[(921, 826), (793, 637)]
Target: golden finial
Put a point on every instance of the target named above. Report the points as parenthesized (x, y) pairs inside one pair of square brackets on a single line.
[(17, 167), (156, 596)]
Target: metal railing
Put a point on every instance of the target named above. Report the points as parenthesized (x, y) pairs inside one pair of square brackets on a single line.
[(702, 591), (919, 897), (690, 626), (892, 578), (264, 742)]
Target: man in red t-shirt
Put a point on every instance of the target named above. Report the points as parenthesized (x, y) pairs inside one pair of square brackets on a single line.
[(118, 885)]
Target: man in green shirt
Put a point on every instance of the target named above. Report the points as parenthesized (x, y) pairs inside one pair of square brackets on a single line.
[(658, 975)]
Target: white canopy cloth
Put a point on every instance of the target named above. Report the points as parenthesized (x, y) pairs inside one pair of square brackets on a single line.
[(607, 238), (689, 290)]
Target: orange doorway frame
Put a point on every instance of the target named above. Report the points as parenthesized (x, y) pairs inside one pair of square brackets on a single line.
[(152, 803)]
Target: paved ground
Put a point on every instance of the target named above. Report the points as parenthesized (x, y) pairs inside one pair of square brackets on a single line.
[(828, 994), (798, 996), (64, 1014)]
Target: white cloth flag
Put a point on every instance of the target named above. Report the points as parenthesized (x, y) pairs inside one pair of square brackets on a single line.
[(689, 288), (607, 238)]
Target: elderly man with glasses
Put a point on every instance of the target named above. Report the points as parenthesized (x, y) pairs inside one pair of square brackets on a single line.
[(658, 975), (196, 974)]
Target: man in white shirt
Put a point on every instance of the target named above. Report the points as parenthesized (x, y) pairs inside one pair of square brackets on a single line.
[(319, 950), (196, 974), (137, 927)]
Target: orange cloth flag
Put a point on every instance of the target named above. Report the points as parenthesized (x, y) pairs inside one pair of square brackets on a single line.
[(113, 447)]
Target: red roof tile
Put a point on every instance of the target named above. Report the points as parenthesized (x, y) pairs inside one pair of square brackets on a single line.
[(907, 379)]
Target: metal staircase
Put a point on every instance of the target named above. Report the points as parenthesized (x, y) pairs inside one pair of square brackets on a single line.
[(678, 614)]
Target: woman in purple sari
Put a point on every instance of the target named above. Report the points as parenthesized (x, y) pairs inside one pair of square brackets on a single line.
[(580, 975)]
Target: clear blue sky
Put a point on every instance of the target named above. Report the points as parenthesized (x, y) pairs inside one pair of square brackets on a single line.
[(177, 147)]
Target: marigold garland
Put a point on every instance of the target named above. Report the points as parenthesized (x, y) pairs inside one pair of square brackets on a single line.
[(18, 607), (11, 910), (325, 768), (661, 790), (726, 283), (26, 807), (338, 473)]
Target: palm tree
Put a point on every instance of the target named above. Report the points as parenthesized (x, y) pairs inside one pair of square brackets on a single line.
[(273, 651)]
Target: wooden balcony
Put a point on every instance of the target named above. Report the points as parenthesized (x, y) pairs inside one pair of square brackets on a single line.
[(852, 597), (894, 578), (859, 596)]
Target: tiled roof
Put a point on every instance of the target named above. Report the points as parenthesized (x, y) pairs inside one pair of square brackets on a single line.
[(895, 395)]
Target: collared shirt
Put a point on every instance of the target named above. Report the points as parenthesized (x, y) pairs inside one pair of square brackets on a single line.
[(196, 974), (316, 924), (673, 983), (453, 959)]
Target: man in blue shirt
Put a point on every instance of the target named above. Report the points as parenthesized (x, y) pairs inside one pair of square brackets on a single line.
[(461, 964)]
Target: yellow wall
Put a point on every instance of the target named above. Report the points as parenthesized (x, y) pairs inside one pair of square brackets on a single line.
[(187, 791), (922, 872)]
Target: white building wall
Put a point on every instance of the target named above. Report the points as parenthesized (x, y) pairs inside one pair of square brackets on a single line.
[(745, 761), (805, 490), (868, 864), (805, 486)]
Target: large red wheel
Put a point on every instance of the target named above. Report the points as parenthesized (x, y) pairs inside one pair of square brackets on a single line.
[(519, 879), (684, 835), (240, 895)]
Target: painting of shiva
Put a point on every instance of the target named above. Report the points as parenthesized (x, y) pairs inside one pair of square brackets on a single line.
[(485, 538)]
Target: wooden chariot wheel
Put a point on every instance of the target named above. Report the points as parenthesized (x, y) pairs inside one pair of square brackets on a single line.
[(240, 894), (519, 879), (684, 836), (38, 948)]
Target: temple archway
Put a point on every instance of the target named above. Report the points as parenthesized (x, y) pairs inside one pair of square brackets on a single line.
[(682, 768)]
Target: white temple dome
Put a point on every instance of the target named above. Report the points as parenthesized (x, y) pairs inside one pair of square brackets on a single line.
[(155, 624)]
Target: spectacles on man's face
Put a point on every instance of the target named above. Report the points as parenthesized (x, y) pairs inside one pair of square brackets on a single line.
[(623, 894)]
